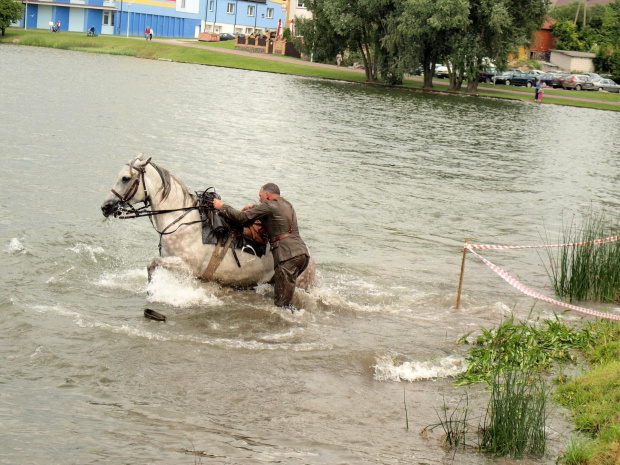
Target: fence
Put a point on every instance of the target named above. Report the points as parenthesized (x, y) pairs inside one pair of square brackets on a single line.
[(521, 287)]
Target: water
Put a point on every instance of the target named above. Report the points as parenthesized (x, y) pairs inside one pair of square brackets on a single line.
[(387, 185)]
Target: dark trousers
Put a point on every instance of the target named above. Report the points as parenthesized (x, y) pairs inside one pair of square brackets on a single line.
[(285, 278)]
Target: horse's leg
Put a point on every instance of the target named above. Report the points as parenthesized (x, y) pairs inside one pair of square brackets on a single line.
[(174, 264)]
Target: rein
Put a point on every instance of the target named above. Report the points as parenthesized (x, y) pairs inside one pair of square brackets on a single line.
[(204, 202)]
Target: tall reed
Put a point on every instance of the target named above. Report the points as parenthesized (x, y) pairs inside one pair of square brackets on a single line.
[(516, 417), (587, 272), (455, 425)]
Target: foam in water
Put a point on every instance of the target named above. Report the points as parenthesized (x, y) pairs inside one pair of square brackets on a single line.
[(128, 280), (57, 309), (179, 291), (15, 246), (387, 370), (89, 250)]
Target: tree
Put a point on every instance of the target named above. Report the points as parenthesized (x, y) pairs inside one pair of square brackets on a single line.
[(427, 30), (317, 38), (567, 37), (365, 23), (10, 11)]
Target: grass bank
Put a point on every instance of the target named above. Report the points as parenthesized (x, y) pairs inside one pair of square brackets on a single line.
[(116, 45), (594, 401), (218, 54), (593, 398)]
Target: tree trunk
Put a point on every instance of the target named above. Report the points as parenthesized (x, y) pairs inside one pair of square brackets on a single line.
[(472, 86), (458, 84), (428, 66), (428, 76), (371, 64), (2, 30), (366, 68)]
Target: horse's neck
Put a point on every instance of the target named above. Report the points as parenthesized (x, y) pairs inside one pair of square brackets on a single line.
[(175, 200)]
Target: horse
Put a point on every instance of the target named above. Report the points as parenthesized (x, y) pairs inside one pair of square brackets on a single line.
[(175, 215)]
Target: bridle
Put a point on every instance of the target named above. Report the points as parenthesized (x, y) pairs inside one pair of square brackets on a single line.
[(128, 211), (124, 200)]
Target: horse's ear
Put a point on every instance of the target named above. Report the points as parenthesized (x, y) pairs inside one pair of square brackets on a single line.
[(141, 163)]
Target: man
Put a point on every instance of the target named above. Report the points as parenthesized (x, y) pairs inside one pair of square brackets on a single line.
[(290, 255)]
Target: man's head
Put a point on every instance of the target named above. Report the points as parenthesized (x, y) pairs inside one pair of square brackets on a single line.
[(269, 191)]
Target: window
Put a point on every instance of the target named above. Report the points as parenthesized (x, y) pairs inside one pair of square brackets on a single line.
[(108, 18), (250, 10), (210, 5), (269, 13), (230, 9), (300, 4)]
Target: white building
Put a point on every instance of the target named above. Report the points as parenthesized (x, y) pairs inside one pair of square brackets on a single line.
[(573, 61)]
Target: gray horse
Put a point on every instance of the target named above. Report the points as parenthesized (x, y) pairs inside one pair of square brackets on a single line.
[(182, 249)]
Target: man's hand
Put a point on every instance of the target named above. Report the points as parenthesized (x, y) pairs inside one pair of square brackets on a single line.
[(247, 207), (217, 204)]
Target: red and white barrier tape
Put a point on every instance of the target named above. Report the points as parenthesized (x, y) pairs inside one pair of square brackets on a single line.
[(544, 246), (537, 295)]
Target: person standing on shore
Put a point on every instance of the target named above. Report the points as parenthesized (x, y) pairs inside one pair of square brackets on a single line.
[(537, 90), (339, 59)]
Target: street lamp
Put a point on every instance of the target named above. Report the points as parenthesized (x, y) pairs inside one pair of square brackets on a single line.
[(128, 18)]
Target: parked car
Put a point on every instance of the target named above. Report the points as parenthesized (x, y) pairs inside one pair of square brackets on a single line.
[(527, 79), (593, 76), (575, 81), (505, 77), (602, 84), (441, 71), (227, 36), (487, 75), (552, 79)]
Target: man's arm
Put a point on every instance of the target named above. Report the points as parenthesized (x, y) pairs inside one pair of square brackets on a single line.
[(245, 217)]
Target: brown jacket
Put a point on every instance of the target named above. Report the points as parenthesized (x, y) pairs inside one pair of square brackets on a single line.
[(278, 217)]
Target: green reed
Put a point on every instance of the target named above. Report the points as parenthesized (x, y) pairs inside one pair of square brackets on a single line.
[(587, 272), (522, 346), (455, 425), (515, 421)]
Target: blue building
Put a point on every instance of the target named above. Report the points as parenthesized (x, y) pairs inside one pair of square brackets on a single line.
[(73, 15), (167, 18)]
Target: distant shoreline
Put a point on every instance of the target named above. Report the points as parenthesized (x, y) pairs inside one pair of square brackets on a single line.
[(222, 54)]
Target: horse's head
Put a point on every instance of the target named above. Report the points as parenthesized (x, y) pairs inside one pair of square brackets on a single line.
[(129, 188)]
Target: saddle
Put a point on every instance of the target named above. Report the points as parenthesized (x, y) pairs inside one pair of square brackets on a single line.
[(252, 240)]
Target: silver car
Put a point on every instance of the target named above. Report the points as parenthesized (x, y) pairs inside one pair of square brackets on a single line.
[(575, 81), (602, 84)]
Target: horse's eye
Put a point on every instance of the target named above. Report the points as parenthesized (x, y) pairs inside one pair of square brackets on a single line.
[(125, 179)]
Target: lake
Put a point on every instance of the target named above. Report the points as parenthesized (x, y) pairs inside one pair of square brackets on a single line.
[(387, 185)]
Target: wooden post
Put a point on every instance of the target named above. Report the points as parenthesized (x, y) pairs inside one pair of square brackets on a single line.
[(458, 295)]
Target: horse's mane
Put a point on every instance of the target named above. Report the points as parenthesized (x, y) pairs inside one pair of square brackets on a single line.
[(167, 178)]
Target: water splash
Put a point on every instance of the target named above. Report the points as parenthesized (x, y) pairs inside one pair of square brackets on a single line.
[(387, 369), (180, 291), (16, 247), (89, 250), (133, 280)]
